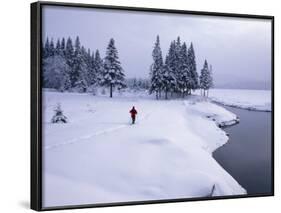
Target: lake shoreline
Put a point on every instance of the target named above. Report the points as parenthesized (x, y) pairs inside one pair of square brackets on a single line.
[(240, 107)]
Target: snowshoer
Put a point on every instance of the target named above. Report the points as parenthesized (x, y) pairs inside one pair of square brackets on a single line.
[(133, 112)]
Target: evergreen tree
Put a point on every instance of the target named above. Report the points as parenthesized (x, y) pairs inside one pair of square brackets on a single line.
[(89, 58), (178, 66), (84, 56), (99, 67), (45, 55), (192, 67), (52, 48), (205, 78), (69, 50), (62, 47), (171, 63), (46, 50), (210, 82), (59, 117), (90, 61), (168, 79), (185, 76), (79, 70), (93, 58), (69, 54), (77, 58), (178, 45), (113, 75), (58, 47), (156, 69)]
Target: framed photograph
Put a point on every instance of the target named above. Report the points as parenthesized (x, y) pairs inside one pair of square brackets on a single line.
[(140, 105)]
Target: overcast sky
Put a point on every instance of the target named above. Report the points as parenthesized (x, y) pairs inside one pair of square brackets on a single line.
[(239, 49)]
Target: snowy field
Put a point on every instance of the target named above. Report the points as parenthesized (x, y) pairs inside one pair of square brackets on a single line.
[(99, 157), (259, 100)]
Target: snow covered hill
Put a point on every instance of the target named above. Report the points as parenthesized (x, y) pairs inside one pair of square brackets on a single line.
[(99, 157)]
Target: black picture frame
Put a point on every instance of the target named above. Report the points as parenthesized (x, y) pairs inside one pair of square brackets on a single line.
[(36, 101)]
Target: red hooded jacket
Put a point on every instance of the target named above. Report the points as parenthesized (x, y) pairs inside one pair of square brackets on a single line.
[(133, 112)]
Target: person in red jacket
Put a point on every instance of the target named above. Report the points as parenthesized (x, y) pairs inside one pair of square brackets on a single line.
[(133, 112)]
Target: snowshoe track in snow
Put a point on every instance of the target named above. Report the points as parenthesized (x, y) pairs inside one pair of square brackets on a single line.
[(101, 132)]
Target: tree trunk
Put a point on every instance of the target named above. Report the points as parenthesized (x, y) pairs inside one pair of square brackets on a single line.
[(166, 94), (110, 90)]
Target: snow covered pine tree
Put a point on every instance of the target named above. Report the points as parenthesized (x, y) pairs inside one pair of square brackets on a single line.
[(185, 75), (99, 67), (113, 75), (59, 117), (79, 72), (192, 68), (156, 69), (206, 80)]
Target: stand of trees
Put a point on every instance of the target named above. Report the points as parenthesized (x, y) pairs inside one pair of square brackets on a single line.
[(70, 67), (137, 84), (177, 75)]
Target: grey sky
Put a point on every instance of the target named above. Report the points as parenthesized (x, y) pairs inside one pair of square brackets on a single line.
[(239, 49)]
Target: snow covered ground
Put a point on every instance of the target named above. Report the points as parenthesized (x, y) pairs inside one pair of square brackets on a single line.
[(259, 100), (99, 157)]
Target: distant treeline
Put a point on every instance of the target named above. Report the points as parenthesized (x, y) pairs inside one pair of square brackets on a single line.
[(138, 83), (69, 66), (178, 74), (72, 67)]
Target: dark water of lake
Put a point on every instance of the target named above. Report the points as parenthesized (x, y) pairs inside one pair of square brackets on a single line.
[(247, 155)]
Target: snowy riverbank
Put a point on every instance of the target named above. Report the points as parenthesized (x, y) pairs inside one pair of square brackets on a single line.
[(98, 157), (258, 100)]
